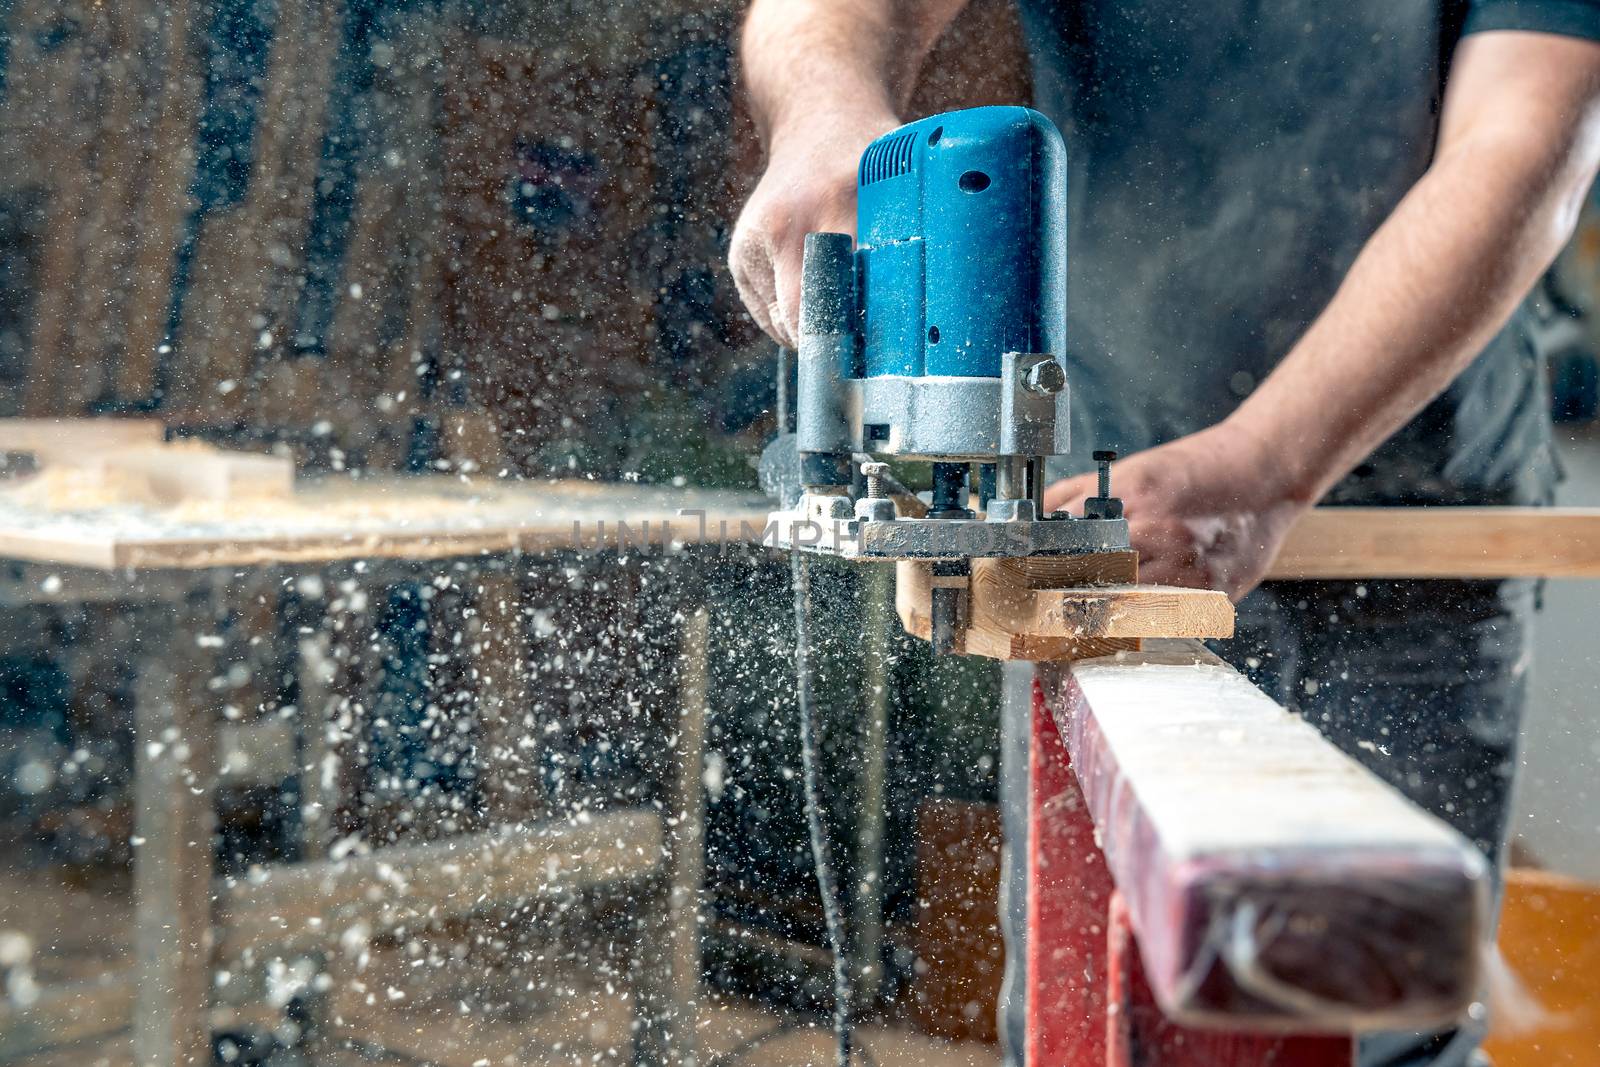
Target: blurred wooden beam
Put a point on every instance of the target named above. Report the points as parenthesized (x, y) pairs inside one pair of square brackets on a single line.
[(249, 259), (63, 1014), (1442, 542), (1127, 611), (417, 884), (66, 142), (307, 904), (165, 197), (49, 438)]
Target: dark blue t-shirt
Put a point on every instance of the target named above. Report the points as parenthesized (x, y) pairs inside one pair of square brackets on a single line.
[(1227, 161)]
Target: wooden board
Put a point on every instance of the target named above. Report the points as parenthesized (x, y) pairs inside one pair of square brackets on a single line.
[(66, 146), (164, 192), (249, 257), (1272, 881), (1087, 1001), (66, 1013), (1139, 1032), (1114, 611), (1442, 542), (102, 464), (65, 438), (398, 517), (1067, 607), (310, 906), (421, 517), (313, 903), (993, 588), (960, 956), (172, 474)]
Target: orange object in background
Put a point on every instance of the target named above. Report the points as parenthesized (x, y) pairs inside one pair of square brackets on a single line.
[(1550, 937)]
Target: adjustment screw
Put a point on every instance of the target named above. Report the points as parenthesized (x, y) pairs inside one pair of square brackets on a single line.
[(874, 472), (1044, 378), (1104, 458)]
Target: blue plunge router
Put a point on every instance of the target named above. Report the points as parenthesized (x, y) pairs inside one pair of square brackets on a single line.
[(962, 255), (939, 337)]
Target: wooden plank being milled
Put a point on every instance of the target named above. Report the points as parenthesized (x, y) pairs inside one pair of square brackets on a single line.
[(1111, 611), (1273, 882), (1000, 593), (406, 517), (1064, 607)]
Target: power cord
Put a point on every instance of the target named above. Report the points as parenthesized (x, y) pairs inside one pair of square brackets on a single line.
[(821, 848)]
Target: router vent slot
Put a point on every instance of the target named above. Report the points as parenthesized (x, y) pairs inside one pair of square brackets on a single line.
[(887, 159)]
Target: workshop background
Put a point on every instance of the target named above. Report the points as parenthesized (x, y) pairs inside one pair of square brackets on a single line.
[(490, 238)]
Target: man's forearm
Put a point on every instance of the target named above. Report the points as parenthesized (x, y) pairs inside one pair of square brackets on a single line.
[(1435, 283), (814, 61)]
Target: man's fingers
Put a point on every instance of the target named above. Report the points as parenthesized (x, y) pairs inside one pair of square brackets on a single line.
[(1069, 493), (767, 275), (786, 296), (768, 247), (750, 261)]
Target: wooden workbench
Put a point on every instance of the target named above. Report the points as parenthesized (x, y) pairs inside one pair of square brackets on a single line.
[(185, 563), (186, 568)]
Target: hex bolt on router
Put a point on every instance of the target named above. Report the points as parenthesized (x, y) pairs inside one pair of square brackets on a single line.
[(1104, 505)]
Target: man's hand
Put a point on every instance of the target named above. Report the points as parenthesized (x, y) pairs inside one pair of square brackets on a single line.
[(1519, 146), (809, 186), (1204, 510), (825, 78)]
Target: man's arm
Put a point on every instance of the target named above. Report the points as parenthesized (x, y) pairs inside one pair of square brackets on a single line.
[(825, 78), (1519, 145)]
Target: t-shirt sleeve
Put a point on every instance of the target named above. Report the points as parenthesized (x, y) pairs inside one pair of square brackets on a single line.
[(1572, 18)]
